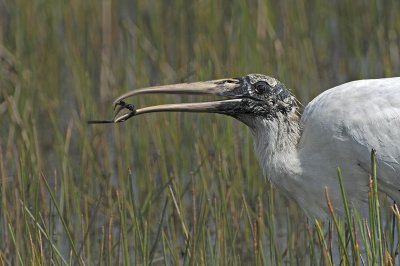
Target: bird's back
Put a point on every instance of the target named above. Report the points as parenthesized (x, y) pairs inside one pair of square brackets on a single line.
[(343, 124)]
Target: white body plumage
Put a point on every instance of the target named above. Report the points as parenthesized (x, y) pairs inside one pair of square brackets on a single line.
[(339, 128)]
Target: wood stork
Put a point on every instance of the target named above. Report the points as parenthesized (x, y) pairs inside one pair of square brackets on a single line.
[(300, 153)]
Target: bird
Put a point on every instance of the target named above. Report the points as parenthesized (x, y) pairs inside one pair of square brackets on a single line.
[(300, 149)]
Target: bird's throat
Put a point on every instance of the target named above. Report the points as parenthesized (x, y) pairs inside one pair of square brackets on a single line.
[(275, 143)]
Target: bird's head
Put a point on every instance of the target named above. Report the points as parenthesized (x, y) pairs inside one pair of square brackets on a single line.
[(248, 99)]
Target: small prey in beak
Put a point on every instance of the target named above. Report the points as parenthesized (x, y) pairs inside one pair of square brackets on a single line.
[(117, 109)]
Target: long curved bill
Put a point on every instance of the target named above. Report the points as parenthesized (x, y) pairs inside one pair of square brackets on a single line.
[(204, 107), (229, 88)]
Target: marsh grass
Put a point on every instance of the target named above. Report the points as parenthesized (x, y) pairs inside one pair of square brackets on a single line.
[(370, 247), (170, 189)]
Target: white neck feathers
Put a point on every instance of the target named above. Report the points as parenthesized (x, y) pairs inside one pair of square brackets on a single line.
[(275, 143)]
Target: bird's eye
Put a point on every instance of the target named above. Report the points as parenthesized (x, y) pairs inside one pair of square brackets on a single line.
[(261, 87)]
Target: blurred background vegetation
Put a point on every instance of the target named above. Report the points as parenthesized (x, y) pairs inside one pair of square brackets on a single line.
[(162, 188)]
